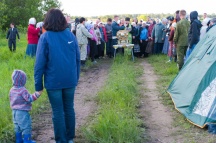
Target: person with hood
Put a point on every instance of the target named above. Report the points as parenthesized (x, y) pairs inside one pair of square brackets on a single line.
[(33, 36), (21, 103), (82, 34), (204, 27), (180, 38), (158, 35), (194, 33)]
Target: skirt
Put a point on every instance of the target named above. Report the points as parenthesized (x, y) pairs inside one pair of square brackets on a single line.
[(150, 47), (31, 50), (170, 51), (166, 46), (136, 48)]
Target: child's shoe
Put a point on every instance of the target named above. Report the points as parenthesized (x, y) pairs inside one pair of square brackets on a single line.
[(19, 138), (27, 139)]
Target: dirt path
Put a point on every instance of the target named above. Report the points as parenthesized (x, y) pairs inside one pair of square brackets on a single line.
[(90, 83), (157, 118)]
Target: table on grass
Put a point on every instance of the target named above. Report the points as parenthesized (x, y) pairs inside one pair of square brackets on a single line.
[(127, 46)]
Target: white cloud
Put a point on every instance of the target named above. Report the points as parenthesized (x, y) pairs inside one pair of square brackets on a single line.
[(105, 7)]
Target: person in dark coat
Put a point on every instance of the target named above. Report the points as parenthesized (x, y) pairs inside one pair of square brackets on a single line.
[(158, 35), (136, 39), (11, 36), (194, 32), (76, 23), (150, 46), (108, 27), (116, 26)]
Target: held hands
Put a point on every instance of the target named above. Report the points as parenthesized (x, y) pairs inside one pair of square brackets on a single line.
[(140, 41), (39, 92)]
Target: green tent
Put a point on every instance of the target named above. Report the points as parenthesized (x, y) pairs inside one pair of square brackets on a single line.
[(193, 91)]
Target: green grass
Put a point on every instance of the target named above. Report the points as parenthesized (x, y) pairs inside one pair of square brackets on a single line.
[(8, 62), (117, 120), (166, 73)]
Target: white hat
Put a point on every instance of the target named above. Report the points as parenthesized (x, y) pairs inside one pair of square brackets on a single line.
[(32, 21)]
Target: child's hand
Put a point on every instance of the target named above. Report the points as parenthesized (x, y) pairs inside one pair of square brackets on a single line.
[(39, 92)]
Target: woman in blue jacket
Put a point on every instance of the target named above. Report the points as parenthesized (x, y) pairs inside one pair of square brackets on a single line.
[(58, 62), (143, 40)]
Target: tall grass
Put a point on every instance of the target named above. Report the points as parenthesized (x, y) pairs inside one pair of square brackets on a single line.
[(8, 62), (117, 120)]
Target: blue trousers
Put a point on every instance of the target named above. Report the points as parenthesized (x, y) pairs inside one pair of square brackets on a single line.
[(62, 103), (189, 51), (158, 48), (109, 47), (22, 122)]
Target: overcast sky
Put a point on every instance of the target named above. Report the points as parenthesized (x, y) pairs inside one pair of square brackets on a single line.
[(106, 7)]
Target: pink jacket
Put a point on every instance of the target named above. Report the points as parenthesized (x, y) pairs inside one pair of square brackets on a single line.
[(93, 34)]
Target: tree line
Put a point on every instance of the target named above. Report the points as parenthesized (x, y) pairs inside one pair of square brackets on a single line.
[(19, 11)]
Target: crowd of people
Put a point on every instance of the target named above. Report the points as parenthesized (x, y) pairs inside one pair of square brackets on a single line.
[(154, 36), (59, 54), (175, 36)]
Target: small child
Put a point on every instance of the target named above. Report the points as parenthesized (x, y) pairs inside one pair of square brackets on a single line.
[(20, 102)]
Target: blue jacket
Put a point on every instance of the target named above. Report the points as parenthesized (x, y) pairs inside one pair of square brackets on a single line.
[(58, 60), (116, 28), (144, 34)]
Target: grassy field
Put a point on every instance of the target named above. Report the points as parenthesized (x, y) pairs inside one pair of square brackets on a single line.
[(8, 62), (117, 119), (166, 73)]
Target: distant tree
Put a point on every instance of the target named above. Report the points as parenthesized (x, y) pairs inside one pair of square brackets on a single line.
[(3, 17), (19, 11), (143, 17)]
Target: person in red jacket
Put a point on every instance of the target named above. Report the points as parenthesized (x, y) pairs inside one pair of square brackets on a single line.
[(32, 36)]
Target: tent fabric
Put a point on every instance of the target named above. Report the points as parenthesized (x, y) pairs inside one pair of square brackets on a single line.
[(193, 91)]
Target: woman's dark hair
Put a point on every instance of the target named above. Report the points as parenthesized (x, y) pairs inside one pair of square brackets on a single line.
[(109, 20), (82, 19), (55, 21)]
